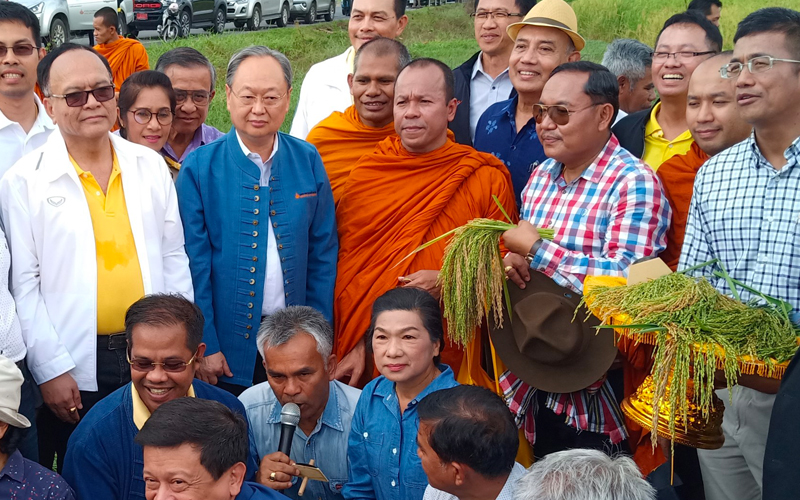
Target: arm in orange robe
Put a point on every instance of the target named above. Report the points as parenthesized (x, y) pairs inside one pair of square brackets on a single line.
[(342, 139), (677, 179), (393, 202), (125, 56)]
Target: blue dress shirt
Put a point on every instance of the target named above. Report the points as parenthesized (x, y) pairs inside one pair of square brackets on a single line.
[(254, 491), (521, 152), (383, 443), (21, 478), (327, 444)]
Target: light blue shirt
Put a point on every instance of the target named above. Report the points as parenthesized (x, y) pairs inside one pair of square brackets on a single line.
[(327, 444), (485, 91), (383, 443)]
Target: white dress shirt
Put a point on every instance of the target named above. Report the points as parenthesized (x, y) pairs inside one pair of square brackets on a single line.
[(620, 115), (274, 298), (15, 143), (485, 91), (507, 493), (11, 344)]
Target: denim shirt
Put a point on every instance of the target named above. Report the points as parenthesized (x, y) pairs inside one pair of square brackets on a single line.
[(327, 444), (383, 443)]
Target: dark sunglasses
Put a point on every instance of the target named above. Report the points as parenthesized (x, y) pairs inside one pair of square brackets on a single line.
[(22, 49), (78, 99), (170, 365), (558, 113)]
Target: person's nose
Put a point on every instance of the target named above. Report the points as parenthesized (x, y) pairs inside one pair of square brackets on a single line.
[(157, 375)]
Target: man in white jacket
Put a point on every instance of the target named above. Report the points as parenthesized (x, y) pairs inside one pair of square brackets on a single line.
[(325, 87), (93, 225)]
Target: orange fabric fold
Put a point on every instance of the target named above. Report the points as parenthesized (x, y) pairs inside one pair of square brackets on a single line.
[(125, 56), (393, 202), (677, 178), (342, 139)]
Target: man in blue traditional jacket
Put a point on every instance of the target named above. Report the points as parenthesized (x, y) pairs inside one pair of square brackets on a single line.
[(258, 218), (164, 334)]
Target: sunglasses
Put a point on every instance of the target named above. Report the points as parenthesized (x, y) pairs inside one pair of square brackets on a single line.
[(22, 49), (170, 365), (558, 113), (78, 99)]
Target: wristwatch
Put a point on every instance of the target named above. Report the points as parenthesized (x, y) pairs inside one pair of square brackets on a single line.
[(532, 251)]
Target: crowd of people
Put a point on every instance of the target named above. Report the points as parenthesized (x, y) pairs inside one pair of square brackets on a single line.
[(167, 290)]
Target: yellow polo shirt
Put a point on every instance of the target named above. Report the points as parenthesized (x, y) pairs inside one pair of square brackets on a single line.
[(657, 150), (140, 411), (119, 275)]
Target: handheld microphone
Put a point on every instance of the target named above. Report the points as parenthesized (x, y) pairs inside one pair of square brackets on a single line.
[(290, 417)]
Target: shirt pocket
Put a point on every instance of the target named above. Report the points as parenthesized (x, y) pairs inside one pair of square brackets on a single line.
[(373, 444), (414, 475)]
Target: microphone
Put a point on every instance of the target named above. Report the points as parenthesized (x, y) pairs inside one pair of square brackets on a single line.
[(290, 417)]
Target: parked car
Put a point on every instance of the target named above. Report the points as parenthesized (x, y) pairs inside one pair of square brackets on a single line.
[(311, 10), (208, 14), (61, 19), (252, 12)]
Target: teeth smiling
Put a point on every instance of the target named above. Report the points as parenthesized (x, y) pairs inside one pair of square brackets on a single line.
[(527, 73), (158, 392), (672, 77), (12, 75)]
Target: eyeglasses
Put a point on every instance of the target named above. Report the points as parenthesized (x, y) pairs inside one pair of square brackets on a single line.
[(558, 113), (21, 49), (680, 56), (269, 101), (144, 115), (758, 64), (496, 15), (170, 365), (78, 99), (199, 97)]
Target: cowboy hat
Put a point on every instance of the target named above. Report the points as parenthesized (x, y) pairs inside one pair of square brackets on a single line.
[(10, 392), (543, 345), (551, 14)]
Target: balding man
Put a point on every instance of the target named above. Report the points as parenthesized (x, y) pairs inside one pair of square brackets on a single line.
[(125, 55), (369, 120), (714, 121), (325, 88), (413, 187)]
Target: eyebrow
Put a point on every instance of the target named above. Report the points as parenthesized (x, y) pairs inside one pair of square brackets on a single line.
[(94, 86), (751, 56), (402, 330)]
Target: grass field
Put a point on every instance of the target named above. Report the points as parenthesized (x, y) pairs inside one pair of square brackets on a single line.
[(446, 33)]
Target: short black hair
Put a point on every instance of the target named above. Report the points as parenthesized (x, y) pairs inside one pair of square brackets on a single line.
[(109, 16), (447, 73), (713, 36), (12, 12), (166, 310), (774, 20), (601, 87), (411, 299), (523, 6), (219, 432), (384, 47), (186, 57), (704, 6), (11, 440), (43, 70), (399, 8), (133, 85), (471, 425)]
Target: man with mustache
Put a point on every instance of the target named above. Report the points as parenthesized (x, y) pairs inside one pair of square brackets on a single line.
[(369, 120), (658, 133)]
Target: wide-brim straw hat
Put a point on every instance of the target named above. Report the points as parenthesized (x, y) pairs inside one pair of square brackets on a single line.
[(543, 345), (551, 14)]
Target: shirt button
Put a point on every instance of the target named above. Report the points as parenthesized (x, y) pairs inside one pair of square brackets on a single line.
[(252, 269), (252, 294), (252, 282), (271, 202), (257, 198), (287, 282), (247, 335), (669, 146), (394, 451), (256, 187), (256, 211), (393, 483), (249, 305), (287, 294), (277, 236), (97, 193), (255, 233), (272, 178), (366, 434), (270, 190), (274, 224), (255, 259), (272, 213), (280, 247), (255, 222), (254, 245), (249, 316), (249, 327)]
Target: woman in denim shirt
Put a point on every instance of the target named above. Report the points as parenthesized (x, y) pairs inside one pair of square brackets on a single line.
[(406, 337)]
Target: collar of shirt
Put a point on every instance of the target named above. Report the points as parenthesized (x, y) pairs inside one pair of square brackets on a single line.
[(444, 380), (592, 173), (477, 68), (264, 166), (202, 136), (42, 121), (14, 468), (331, 415), (140, 411), (792, 154), (653, 129)]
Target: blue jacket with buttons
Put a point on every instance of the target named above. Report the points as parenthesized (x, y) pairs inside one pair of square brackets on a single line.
[(225, 212)]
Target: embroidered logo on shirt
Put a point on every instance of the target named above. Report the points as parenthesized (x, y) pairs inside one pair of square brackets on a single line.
[(56, 201), (305, 195)]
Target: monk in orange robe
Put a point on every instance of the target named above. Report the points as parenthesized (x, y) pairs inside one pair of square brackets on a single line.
[(414, 187), (124, 55), (343, 138)]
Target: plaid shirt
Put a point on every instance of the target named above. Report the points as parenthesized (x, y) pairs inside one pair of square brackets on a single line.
[(746, 213), (610, 216)]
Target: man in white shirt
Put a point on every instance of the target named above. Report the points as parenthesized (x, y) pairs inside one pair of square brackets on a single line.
[(483, 79), (93, 225), (325, 89), (24, 125), (631, 60), (467, 441)]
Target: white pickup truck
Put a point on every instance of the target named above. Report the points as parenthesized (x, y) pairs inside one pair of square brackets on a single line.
[(60, 19)]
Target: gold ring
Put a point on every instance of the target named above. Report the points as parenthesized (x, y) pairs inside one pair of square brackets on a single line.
[(272, 477), (73, 409), (508, 268)]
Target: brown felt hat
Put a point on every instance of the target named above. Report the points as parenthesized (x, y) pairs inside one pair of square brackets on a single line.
[(541, 343), (551, 14)]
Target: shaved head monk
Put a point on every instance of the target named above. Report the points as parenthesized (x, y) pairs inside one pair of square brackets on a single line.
[(125, 55), (413, 187), (369, 120)]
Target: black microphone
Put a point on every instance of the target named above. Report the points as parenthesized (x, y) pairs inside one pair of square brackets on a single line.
[(290, 417)]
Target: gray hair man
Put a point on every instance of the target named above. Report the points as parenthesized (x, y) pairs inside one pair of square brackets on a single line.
[(258, 215), (631, 60), (581, 474), (297, 345)]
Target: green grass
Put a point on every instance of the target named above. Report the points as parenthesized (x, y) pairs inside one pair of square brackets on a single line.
[(446, 33)]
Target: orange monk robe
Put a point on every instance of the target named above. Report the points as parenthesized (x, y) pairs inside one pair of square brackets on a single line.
[(125, 56), (677, 179), (342, 139), (394, 201)]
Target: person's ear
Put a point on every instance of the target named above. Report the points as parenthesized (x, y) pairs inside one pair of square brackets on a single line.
[(332, 362), (401, 25), (459, 473), (201, 351), (236, 478), (623, 82), (575, 56), (451, 109), (350, 82), (3, 429), (49, 104), (606, 116)]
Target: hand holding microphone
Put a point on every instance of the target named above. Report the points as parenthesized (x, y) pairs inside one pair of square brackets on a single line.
[(277, 469)]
